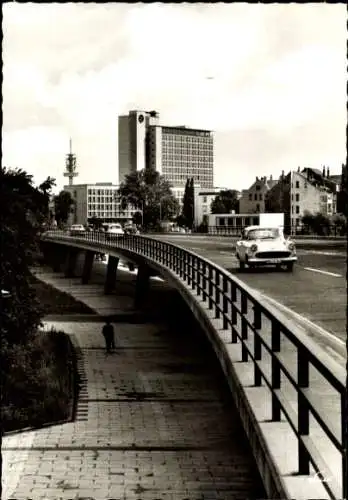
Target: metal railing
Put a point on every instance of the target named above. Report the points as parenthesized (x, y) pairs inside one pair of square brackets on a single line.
[(245, 318)]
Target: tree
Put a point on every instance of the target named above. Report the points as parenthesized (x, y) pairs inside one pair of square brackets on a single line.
[(339, 222), (149, 193), (20, 204), (44, 194), (225, 202), (188, 207), (317, 223), (63, 204)]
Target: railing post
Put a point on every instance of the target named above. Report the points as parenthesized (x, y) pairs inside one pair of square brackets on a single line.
[(303, 410), (187, 268), (244, 337), (204, 280), (257, 345), (210, 287), (244, 303), (217, 294), (181, 264), (275, 370), (234, 312), (224, 302), (198, 279), (194, 273)]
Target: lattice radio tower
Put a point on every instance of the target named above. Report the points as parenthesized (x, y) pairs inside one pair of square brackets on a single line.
[(70, 163)]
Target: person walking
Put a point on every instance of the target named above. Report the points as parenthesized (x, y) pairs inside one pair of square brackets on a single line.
[(108, 333)]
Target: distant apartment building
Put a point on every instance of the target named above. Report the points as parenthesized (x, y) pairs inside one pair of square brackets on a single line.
[(177, 153), (100, 200), (309, 190), (252, 200)]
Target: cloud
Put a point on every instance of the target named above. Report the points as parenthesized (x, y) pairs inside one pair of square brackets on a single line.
[(278, 72)]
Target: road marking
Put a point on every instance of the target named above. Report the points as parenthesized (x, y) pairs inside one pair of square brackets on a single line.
[(321, 252), (323, 272)]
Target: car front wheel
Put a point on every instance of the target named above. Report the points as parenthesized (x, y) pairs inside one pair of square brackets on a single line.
[(290, 267), (241, 263)]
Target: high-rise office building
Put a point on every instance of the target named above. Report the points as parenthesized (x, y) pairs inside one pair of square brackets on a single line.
[(177, 153), (132, 129)]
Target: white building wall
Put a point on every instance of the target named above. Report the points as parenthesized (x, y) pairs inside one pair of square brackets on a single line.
[(140, 131), (305, 197), (203, 201)]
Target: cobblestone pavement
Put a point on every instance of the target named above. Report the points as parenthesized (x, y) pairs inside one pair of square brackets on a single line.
[(154, 421)]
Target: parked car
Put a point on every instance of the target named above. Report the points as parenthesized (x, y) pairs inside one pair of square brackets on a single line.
[(131, 229), (76, 229), (261, 246)]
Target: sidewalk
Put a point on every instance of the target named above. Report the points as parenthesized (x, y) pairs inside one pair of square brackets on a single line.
[(153, 422)]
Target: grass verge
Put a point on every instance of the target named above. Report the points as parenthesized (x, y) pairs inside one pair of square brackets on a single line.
[(39, 383), (54, 301)]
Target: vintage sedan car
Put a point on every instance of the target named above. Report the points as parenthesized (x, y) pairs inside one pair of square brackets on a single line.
[(260, 246), (77, 229)]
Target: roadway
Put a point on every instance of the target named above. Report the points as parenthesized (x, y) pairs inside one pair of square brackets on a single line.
[(316, 289)]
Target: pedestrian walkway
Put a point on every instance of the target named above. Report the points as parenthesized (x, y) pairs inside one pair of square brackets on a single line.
[(154, 420)]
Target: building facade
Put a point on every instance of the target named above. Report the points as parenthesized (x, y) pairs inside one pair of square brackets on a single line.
[(132, 141), (177, 153), (303, 191), (100, 200), (252, 200), (203, 199)]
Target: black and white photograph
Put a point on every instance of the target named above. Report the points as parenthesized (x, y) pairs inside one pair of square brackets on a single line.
[(174, 203)]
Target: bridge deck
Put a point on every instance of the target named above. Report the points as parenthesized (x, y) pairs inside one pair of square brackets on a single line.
[(154, 420)]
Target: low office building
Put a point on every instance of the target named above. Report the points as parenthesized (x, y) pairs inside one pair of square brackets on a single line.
[(100, 200)]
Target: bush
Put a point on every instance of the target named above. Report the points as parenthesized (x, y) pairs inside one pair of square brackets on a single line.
[(37, 381)]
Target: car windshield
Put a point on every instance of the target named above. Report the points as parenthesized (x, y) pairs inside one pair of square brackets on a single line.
[(263, 234)]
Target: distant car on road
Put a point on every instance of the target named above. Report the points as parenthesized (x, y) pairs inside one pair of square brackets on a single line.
[(130, 229), (178, 229), (260, 246), (112, 229), (77, 229)]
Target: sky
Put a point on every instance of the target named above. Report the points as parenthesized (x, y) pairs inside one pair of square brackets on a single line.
[(269, 80)]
